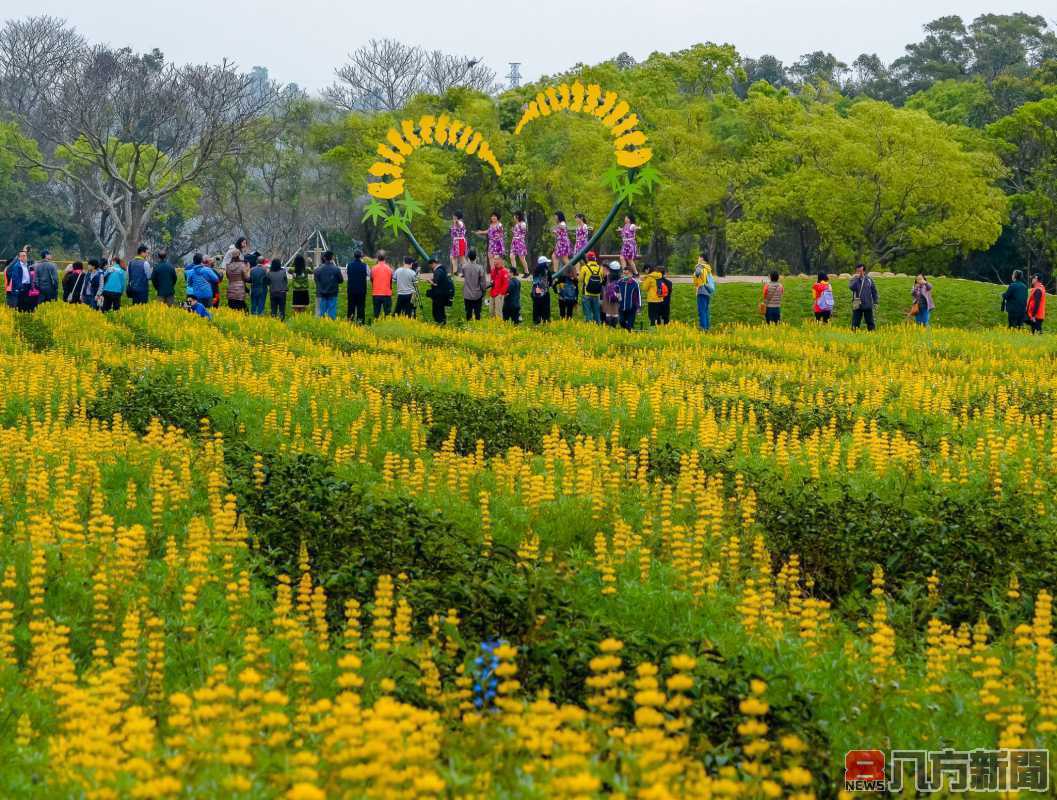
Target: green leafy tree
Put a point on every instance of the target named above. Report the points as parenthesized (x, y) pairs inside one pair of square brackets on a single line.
[(1029, 148), (880, 185)]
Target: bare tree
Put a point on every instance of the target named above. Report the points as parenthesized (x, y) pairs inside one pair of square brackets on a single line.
[(35, 53), (443, 71), (385, 74), (131, 130)]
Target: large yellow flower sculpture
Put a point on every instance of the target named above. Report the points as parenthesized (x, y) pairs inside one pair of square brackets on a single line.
[(629, 143), (430, 130)]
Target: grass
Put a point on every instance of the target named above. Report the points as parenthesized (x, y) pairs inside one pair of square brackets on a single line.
[(959, 303)]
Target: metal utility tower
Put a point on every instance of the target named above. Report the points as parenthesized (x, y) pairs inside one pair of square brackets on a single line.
[(515, 74)]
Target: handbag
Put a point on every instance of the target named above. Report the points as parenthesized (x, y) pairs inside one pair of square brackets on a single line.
[(762, 309), (856, 301), (915, 309)]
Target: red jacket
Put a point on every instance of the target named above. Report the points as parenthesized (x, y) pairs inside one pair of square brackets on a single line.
[(1037, 303), (500, 281)]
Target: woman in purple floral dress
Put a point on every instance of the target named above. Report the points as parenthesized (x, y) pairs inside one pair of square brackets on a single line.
[(583, 233), (458, 243), (519, 244), (496, 240), (629, 248), (562, 248)]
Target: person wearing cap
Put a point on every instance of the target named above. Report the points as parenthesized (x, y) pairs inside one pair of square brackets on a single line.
[(611, 295), (591, 284), (541, 291), (47, 278)]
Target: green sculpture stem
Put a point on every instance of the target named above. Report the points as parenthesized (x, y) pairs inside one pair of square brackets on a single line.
[(600, 231), (414, 242)]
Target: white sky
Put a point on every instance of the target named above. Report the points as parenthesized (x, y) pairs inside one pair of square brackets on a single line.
[(301, 41)]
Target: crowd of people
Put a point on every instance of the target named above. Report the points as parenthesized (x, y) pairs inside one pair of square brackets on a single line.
[(610, 294)]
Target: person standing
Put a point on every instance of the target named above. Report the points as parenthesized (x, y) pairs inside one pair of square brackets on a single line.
[(1015, 300), (406, 278), (772, 300), (258, 288), (923, 303), (16, 278), (665, 289), (278, 286), (474, 283), (583, 234), (47, 274), (630, 298), (163, 277), (864, 299), (73, 283), (519, 244), (566, 286), (1036, 307), (458, 243), (241, 246), (652, 288), (382, 287), (139, 277), (541, 291), (441, 291), (629, 247), (500, 280), (300, 296), (92, 293), (704, 287), (496, 240), (562, 248), (591, 284), (357, 275), (202, 280), (115, 280), (823, 292), (328, 278), (611, 296), (512, 299), (238, 274)]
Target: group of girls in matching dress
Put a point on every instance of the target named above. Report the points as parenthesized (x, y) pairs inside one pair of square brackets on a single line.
[(563, 249)]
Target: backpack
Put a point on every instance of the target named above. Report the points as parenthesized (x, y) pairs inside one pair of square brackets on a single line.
[(567, 290), (662, 289), (540, 286), (594, 280), (825, 300)]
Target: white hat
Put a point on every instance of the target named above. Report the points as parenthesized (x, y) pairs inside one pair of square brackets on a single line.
[(614, 265), (543, 260)]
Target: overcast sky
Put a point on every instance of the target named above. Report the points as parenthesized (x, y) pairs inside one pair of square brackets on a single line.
[(301, 41)]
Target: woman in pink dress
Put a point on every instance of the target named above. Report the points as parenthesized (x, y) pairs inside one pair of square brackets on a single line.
[(562, 247), (496, 240), (458, 243), (583, 233), (519, 243), (629, 248)]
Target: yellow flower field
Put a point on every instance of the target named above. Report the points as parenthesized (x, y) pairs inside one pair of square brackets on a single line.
[(247, 559)]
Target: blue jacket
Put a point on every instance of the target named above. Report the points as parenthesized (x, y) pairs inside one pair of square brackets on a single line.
[(200, 281), (200, 310), (14, 274), (630, 296), (115, 279)]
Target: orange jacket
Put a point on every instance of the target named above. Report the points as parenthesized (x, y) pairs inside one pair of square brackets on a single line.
[(1037, 303)]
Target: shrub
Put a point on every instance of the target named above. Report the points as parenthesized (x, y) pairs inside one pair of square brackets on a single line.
[(140, 396)]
